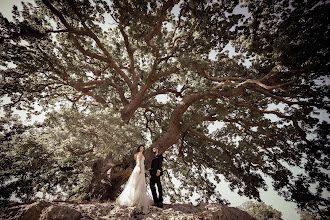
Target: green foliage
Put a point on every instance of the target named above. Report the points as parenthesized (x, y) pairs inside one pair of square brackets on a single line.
[(56, 157), (305, 215), (261, 211)]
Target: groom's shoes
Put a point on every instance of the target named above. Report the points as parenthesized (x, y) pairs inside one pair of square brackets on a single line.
[(159, 205)]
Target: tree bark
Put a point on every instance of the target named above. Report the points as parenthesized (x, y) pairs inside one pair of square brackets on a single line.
[(108, 176), (130, 108)]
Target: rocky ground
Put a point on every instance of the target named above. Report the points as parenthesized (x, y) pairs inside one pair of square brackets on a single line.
[(100, 211)]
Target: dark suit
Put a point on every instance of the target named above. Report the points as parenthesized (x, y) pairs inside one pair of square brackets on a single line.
[(156, 164)]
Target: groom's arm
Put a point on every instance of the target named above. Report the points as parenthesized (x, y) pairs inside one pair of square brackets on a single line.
[(160, 164)]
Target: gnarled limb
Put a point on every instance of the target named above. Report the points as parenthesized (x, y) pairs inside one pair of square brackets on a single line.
[(86, 52), (172, 135), (130, 52), (180, 149), (163, 91), (226, 80), (223, 79), (165, 73), (88, 32), (156, 29), (225, 148)]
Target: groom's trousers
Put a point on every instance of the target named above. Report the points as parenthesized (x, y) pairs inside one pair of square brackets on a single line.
[(153, 181)]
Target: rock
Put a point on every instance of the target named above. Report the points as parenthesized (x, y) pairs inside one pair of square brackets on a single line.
[(43, 210), (24, 212), (60, 212)]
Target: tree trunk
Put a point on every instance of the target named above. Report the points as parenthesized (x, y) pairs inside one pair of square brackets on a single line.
[(108, 176), (130, 108)]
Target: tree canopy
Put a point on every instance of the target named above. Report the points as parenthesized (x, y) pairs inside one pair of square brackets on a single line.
[(99, 67)]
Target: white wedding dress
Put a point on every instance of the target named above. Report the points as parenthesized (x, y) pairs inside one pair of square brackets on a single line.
[(135, 191)]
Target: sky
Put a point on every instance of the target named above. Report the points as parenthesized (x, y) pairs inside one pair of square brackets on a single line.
[(270, 197)]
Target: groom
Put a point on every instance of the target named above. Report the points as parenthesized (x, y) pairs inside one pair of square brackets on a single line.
[(156, 171)]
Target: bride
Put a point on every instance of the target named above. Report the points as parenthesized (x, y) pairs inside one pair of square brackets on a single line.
[(135, 191)]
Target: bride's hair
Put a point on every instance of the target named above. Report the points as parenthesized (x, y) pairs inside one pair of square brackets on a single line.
[(137, 151), (138, 148)]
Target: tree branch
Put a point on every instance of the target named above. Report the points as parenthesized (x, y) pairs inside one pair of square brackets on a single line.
[(121, 93), (88, 32), (130, 52), (62, 19), (86, 91), (226, 150), (175, 40), (223, 79), (171, 136), (165, 73), (86, 52), (164, 91), (224, 147), (79, 86), (74, 101), (89, 83), (157, 29), (180, 149), (148, 121), (302, 134), (266, 93), (259, 83)]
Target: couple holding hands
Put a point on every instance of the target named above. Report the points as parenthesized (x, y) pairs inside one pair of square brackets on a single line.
[(135, 191)]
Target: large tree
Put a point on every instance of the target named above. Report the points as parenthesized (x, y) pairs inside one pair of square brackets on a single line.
[(112, 59)]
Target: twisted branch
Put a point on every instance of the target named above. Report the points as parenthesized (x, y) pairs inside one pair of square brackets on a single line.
[(88, 32)]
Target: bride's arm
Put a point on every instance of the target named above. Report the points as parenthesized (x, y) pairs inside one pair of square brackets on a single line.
[(139, 158)]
